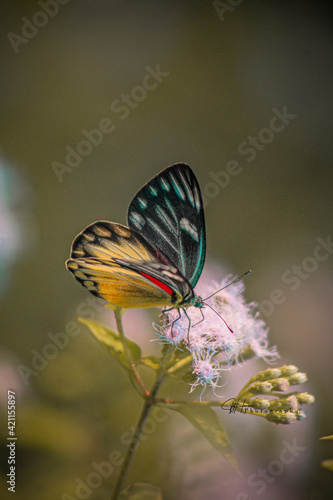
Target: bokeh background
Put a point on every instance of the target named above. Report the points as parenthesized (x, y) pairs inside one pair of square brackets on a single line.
[(226, 67)]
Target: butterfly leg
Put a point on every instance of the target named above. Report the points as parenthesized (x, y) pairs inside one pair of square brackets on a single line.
[(189, 324), (165, 311), (202, 317), (174, 321)]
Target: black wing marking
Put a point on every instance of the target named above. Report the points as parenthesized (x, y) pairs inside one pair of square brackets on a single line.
[(168, 213)]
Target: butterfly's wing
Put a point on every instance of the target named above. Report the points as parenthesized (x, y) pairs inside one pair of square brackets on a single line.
[(165, 277), (116, 264), (168, 213), (117, 285)]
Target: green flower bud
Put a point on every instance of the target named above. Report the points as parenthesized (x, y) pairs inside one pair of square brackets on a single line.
[(288, 370), (298, 378), (284, 404), (280, 384), (305, 399), (260, 388), (260, 403), (268, 374), (282, 418)]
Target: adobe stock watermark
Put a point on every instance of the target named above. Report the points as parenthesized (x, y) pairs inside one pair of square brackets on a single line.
[(103, 470), (30, 27), (57, 342), (297, 274), (262, 478), (121, 107), (249, 148), (223, 7)]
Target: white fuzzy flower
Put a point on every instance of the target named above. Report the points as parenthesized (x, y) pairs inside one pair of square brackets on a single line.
[(206, 369), (224, 329)]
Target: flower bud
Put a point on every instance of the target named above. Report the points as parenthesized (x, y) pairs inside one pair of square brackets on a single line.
[(282, 418), (305, 399), (284, 404), (288, 370), (280, 384), (260, 388), (301, 415), (298, 378), (268, 374), (260, 403)]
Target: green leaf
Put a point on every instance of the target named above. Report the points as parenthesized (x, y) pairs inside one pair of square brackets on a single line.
[(180, 363), (327, 437), (204, 418), (113, 343), (141, 491), (151, 362), (327, 464)]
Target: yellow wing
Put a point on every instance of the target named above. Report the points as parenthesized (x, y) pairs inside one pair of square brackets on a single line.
[(92, 264), (105, 240)]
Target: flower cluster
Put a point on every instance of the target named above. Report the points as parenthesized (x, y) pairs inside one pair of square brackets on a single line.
[(284, 407), (222, 334)]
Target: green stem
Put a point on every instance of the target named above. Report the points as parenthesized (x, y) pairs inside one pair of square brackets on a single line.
[(147, 407), (170, 402), (139, 385), (150, 401), (246, 386)]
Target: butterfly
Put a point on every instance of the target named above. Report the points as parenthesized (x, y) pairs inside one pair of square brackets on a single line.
[(158, 259)]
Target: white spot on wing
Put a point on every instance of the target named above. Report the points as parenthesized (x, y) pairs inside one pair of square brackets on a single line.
[(188, 188), (164, 184), (143, 203), (197, 199), (173, 276), (177, 188), (189, 228), (137, 220), (153, 191)]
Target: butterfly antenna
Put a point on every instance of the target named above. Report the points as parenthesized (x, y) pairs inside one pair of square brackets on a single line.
[(219, 315), (231, 283)]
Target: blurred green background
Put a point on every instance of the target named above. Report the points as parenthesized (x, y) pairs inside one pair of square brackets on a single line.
[(225, 70)]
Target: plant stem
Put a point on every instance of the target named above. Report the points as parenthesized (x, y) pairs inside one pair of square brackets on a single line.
[(147, 407), (170, 402), (150, 401), (118, 314)]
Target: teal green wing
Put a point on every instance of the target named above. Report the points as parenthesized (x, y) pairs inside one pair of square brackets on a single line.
[(168, 213)]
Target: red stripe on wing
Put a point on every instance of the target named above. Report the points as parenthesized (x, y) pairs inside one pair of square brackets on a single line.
[(159, 283)]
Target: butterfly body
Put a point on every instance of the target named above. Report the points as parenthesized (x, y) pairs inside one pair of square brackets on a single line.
[(157, 260)]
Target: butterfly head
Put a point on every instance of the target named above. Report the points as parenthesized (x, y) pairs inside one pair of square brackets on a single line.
[(197, 301), (200, 303)]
